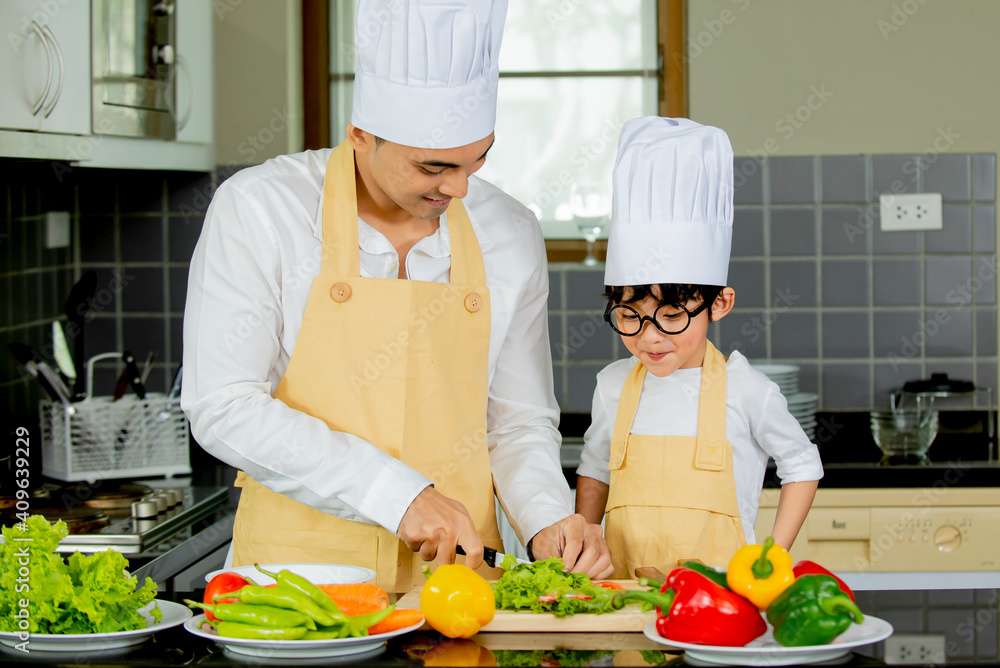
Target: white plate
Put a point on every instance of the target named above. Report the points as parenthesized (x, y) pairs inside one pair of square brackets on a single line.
[(315, 573), (173, 614), (765, 651), (295, 649), (776, 369)]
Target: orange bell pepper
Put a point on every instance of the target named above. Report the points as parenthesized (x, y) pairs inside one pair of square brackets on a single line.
[(457, 601), (760, 572)]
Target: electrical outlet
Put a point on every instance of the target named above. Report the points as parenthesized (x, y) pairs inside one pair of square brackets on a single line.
[(910, 212), (914, 649), (57, 229)]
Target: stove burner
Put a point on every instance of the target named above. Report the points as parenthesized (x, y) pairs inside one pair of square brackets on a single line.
[(10, 501), (114, 497), (78, 520)]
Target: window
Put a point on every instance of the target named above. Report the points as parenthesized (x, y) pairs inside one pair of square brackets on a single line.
[(572, 72)]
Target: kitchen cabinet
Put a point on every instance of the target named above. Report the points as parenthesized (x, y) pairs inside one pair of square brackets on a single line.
[(194, 110), (45, 76), (50, 114), (195, 116)]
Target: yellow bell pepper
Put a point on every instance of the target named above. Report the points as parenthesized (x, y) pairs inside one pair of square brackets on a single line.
[(457, 601), (760, 572)]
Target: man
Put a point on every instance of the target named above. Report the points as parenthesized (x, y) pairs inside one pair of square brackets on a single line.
[(365, 333)]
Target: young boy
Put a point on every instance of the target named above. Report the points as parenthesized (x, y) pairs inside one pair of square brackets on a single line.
[(675, 457)]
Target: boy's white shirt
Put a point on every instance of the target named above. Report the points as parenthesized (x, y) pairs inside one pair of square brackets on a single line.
[(758, 425)]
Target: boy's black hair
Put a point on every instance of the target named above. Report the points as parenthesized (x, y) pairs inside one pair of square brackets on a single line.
[(673, 293)]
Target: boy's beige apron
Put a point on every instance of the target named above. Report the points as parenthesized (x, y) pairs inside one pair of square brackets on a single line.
[(402, 364), (673, 497)]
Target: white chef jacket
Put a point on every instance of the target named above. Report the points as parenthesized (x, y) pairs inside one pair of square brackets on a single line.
[(758, 425), (249, 283)]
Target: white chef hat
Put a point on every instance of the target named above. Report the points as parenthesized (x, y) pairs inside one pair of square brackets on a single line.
[(427, 70), (672, 211)]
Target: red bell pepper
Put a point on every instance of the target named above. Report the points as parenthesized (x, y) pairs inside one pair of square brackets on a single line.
[(806, 567), (691, 608)]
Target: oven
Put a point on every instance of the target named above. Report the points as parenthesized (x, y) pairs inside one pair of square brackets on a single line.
[(936, 529), (134, 62)]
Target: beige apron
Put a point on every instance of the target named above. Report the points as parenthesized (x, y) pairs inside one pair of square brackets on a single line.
[(673, 497), (402, 364)]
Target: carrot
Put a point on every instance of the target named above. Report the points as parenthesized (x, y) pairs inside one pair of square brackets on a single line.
[(400, 618), (355, 599)]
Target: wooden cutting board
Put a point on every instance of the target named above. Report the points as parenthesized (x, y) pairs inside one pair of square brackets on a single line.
[(629, 619)]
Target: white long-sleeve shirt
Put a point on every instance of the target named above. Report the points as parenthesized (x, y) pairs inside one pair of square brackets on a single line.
[(249, 283), (758, 425)]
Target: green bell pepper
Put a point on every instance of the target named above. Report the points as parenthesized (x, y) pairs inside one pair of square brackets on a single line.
[(811, 611)]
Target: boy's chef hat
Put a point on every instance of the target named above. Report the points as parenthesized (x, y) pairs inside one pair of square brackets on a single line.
[(427, 70), (672, 213)]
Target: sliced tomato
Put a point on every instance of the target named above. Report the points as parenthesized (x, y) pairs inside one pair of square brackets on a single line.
[(582, 597), (547, 598), (223, 583), (607, 584)]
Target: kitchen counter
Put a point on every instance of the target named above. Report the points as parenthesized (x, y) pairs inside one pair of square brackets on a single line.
[(852, 460), (176, 647)]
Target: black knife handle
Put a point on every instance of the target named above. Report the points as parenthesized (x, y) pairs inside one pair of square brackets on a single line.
[(134, 375), (489, 555)]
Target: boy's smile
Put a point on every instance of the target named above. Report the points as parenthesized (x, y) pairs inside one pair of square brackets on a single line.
[(662, 354)]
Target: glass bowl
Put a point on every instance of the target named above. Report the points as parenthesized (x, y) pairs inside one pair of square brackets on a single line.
[(904, 432)]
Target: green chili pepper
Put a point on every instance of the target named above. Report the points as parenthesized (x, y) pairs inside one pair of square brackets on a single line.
[(813, 610), (361, 623), (256, 615), (715, 575), (328, 633), (250, 632), (280, 597), (289, 580)]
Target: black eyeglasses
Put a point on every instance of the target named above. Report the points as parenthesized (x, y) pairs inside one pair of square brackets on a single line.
[(669, 318)]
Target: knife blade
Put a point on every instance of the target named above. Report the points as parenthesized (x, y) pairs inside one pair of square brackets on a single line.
[(61, 351), (491, 556)]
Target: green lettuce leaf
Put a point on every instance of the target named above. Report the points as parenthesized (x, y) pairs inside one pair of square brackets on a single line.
[(528, 586), (88, 594)]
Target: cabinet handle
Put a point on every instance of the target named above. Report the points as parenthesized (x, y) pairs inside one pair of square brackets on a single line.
[(37, 106), (62, 70), (181, 64)]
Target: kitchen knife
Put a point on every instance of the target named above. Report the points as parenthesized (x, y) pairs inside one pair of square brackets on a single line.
[(130, 375), (78, 306), (35, 365), (491, 556), (147, 367)]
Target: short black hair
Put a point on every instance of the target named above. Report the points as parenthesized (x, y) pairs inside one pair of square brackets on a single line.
[(676, 294), (378, 140)]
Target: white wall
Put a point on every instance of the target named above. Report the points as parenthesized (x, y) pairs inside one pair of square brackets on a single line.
[(898, 73), (258, 79)]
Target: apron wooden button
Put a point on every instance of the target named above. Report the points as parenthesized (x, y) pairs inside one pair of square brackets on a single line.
[(340, 292), (473, 302)]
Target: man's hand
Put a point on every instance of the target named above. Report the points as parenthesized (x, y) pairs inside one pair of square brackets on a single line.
[(580, 544), (434, 524)]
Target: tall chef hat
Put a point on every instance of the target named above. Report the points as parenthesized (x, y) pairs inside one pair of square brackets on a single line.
[(672, 210), (427, 70)]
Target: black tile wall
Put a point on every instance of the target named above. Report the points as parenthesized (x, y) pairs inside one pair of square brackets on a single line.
[(136, 229), (819, 284)]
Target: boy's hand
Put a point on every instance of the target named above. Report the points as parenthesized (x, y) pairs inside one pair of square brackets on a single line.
[(580, 544)]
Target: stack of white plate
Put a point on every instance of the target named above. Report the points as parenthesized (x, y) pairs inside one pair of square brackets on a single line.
[(785, 375), (802, 405)]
